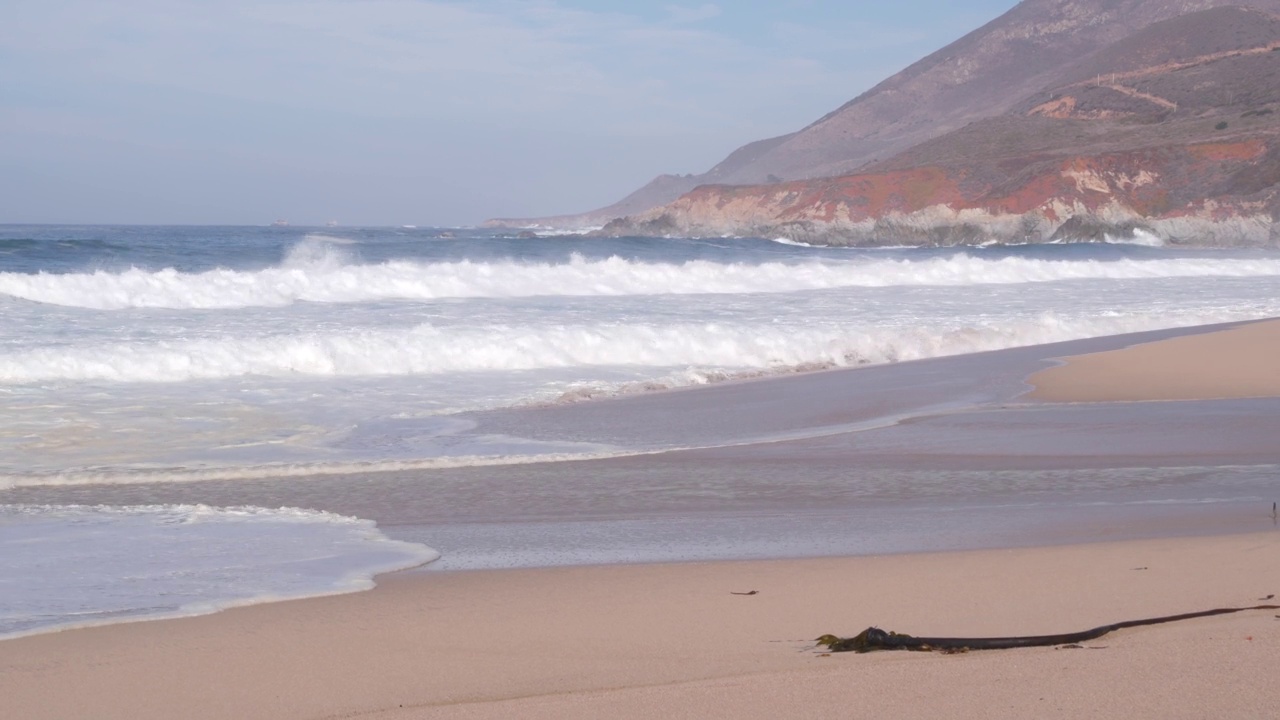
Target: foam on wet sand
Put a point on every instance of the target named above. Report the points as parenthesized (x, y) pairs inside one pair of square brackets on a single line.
[(673, 641), (639, 641)]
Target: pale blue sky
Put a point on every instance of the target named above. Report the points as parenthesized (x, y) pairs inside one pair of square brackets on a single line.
[(385, 112)]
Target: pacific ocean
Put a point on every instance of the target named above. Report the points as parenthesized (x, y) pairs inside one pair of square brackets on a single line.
[(515, 401)]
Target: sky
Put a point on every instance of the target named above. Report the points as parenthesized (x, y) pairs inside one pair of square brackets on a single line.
[(390, 112)]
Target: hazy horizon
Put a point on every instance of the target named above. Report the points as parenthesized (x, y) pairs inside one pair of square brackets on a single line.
[(396, 112)]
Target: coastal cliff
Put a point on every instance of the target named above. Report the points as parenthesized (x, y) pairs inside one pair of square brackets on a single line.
[(1026, 54), (1173, 132), (1214, 193)]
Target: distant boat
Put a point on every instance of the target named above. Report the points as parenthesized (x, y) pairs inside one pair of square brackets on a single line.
[(331, 223), (408, 227), (280, 223)]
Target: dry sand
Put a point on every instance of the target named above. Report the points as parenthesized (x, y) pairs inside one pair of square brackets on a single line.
[(672, 641), (1240, 362)]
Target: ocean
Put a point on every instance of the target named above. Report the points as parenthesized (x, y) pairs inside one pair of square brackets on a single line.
[(135, 360)]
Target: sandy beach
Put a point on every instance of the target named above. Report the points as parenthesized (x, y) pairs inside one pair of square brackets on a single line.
[(1235, 363), (933, 375), (674, 640)]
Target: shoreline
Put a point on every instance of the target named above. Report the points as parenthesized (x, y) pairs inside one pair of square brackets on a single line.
[(1019, 389), (1237, 520), (647, 638), (638, 641)]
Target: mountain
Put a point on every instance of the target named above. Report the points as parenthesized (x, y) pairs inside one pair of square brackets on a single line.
[(982, 75), (1173, 129)]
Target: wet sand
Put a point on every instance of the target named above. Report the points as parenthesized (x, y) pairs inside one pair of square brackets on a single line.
[(673, 641), (950, 447), (942, 454)]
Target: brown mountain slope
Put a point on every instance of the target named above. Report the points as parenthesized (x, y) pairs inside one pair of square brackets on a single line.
[(1205, 61), (981, 75), (1175, 129)]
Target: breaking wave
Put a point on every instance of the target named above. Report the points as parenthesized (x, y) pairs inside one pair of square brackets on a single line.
[(426, 349), (326, 273)]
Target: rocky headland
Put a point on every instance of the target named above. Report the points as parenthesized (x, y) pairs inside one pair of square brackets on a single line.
[(1057, 121), (1220, 192)]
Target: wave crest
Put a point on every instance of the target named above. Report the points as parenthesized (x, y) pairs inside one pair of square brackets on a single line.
[(325, 272), (427, 350)]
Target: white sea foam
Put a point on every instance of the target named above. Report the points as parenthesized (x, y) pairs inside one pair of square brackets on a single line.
[(428, 350), (1139, 237), (73, 565), (143, 476), (324, 272), (792, 243), (566, 232)]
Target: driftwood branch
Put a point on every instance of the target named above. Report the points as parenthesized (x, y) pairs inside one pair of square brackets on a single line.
[(873, 638)]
